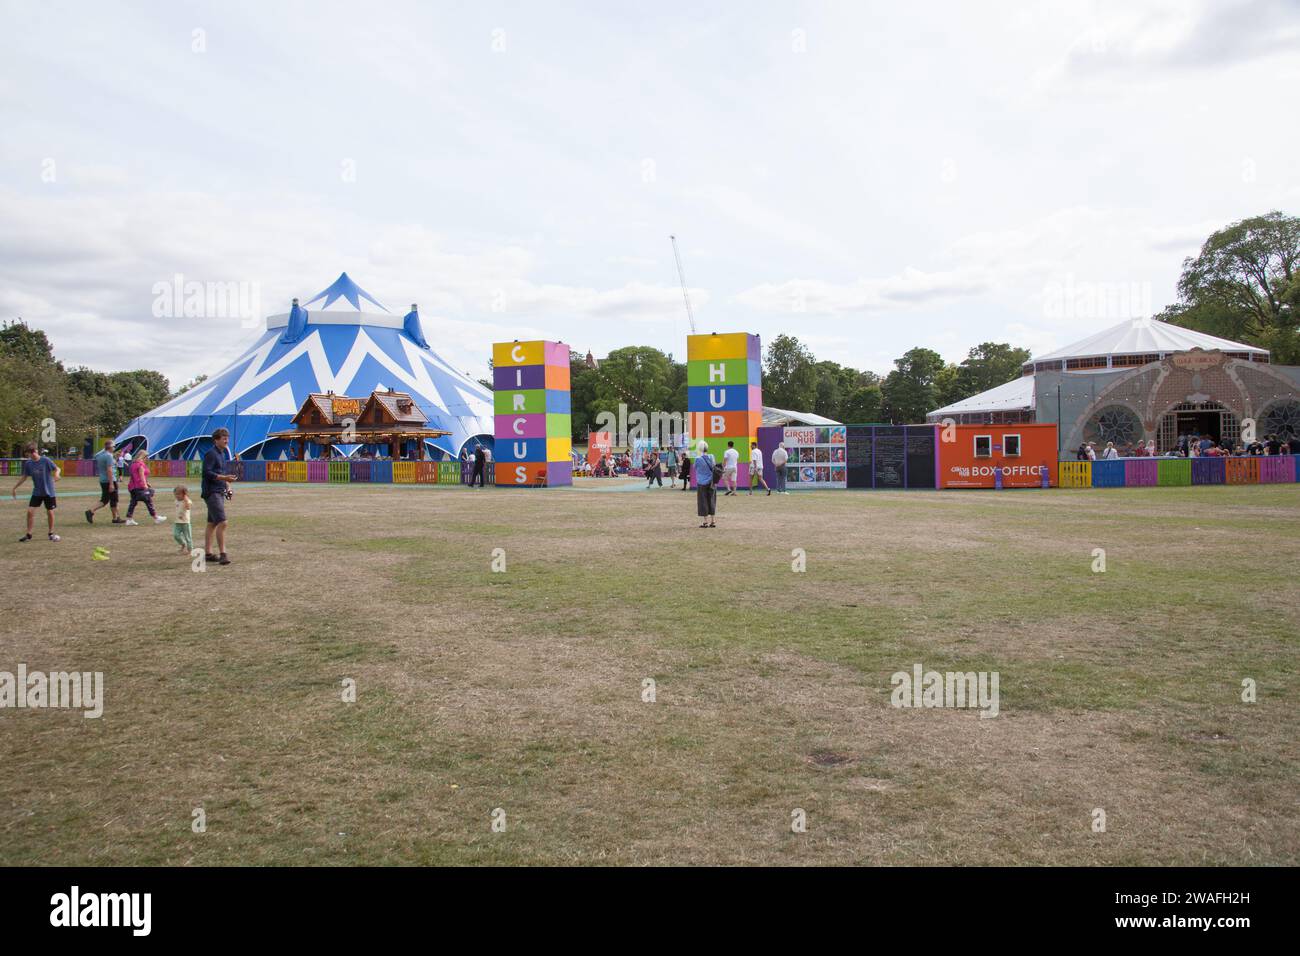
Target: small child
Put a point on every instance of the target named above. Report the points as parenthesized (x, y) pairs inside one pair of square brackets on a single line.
[(181, 529)]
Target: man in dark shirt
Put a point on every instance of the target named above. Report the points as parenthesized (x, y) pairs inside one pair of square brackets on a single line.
[(480, 467), (215, 475), (44, 473)]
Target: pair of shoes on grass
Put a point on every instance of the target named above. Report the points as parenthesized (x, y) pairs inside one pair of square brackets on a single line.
[(216, 559), (27, 537)]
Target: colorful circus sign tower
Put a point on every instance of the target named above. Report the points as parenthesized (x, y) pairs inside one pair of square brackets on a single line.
[(532, 414)]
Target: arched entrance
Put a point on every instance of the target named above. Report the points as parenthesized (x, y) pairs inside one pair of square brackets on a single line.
[(1197, 418)]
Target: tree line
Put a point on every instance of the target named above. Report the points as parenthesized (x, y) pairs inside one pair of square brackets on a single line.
[(36, 390), (649, 380)]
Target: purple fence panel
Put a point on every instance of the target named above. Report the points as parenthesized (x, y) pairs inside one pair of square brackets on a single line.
[(1276, 470), (1140, 472)]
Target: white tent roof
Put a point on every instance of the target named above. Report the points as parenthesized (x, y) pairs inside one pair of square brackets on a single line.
[(1016, 394), (1141, 336), (779, 416)]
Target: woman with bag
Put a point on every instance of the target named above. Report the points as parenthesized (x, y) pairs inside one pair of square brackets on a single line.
[(707, 474)]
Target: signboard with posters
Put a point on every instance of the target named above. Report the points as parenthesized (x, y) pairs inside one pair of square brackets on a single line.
[(817, 456)]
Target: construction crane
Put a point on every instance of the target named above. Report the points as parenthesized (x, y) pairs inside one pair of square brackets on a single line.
[(682, 277)]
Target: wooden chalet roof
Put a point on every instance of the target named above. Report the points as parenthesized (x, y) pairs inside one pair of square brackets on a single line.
[(397, 407), (332, 408)]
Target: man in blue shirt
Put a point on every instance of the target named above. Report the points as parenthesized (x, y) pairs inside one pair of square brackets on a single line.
[(216, 472), (43, 473), (106, 472)]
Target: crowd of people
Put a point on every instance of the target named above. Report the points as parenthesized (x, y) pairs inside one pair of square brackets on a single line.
[(709, 474), (111, 466), (1188, 446)]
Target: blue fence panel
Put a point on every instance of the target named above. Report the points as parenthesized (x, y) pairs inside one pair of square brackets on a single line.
[(1108, 474), (1209, 471), (381, 471), (252, 471)]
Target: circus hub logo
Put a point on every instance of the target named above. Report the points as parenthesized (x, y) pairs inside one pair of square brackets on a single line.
[(191, 299), (37, 690), (960, 690)]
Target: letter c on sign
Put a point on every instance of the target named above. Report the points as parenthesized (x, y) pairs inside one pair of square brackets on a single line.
[(515, 425), (514, 354)]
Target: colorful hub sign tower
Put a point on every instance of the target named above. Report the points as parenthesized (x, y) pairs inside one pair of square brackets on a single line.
[(724, 380), (532, 413)]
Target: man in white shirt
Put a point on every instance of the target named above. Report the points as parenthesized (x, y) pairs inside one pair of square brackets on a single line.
[(730, 465), (756, 468), (779, 458)]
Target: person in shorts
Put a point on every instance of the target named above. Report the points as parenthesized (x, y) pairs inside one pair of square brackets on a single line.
[(730, 466), (756, 469), (213, 491), (106, 472), (44, 473)]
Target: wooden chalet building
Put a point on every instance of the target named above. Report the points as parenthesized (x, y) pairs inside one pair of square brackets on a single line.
[(385, 418)]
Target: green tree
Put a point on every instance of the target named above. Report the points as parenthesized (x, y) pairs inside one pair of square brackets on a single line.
[(1242, 285), (27, 345), (911, 389), (988, 365), (789, 375)]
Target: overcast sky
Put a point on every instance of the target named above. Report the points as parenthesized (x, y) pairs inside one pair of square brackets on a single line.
[(866, 176)]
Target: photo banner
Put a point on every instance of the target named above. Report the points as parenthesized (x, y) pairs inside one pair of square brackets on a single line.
[(817, 456)]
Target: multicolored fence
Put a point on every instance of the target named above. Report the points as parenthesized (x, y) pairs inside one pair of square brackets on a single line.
[(333, 472), (1116, 473), (85, 467), (1148, 472)]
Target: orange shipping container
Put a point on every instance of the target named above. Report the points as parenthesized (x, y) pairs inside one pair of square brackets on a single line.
[(970, 453)]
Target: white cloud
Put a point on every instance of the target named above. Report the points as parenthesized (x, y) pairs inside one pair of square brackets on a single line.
[(908, 289)]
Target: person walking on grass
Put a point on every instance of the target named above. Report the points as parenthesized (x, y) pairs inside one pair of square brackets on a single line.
[(480, 468), (756, 469), (44, 473), (779, 458), (670, 465), (214, 492), (685, 468), (140, 489), (106, 472), (706, 485), (654, 470), (730, 466), (182, 532)]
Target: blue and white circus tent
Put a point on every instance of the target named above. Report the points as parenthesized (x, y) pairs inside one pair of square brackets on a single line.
[(350, 345)]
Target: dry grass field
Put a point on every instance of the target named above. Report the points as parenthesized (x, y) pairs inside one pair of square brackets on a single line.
[(523, 690)]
